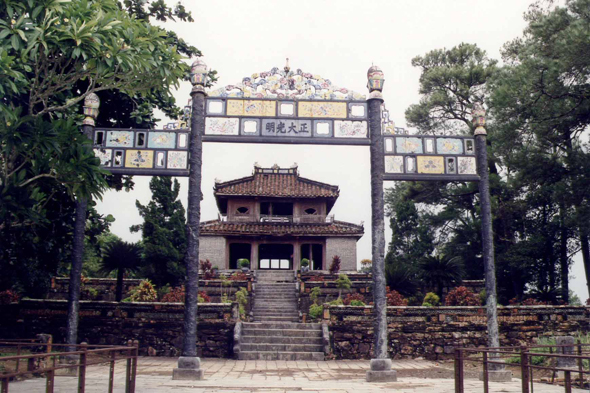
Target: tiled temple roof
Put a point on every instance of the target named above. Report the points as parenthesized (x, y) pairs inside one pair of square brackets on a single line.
[(335, 228), (276, 182)]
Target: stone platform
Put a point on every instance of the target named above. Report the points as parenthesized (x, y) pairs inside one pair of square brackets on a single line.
[(227, 376)]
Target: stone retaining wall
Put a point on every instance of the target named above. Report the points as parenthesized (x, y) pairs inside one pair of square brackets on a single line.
[(434, 332), (157, 326)]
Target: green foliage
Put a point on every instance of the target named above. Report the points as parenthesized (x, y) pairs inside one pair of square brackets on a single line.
[(357, 303), (431, 300), (336, 302), (316, 311), (144, 292), (243, 262), (439, 271), (305, 262), (343, 282), (121, 257), (242, 299), (163, 232), (314, 294), (483, 297)]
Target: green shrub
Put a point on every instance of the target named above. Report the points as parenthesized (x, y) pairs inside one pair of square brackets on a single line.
[(305, 262), (431, 300), (144, 292), (482, 297), (343, 282), (92, 293), (337, 302), (242, 299), (316, 311), (314, 294), (243, 262), (356, 303)]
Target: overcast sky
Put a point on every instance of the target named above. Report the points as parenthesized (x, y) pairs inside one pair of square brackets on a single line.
[(338, 40)]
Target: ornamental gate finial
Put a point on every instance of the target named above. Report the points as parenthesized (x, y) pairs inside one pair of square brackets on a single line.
[(91, 104)]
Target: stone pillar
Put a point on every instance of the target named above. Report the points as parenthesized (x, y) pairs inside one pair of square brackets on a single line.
[(380, 363), (496, 372), (91, 105), (189, 365)]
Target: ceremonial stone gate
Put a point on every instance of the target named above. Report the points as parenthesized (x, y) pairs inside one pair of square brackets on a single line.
[(295, 107)]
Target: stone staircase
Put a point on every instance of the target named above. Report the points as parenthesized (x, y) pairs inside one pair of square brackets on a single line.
[(276, 333)]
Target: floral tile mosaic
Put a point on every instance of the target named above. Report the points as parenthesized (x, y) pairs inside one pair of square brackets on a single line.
[(139, 159), (350, 129), (162, 140), (323, 109), (105, 156), (449, 146), (431, 164), (394, 164), (177, 159), (408, 145), (119, 139), (466, 166), (222, 126)]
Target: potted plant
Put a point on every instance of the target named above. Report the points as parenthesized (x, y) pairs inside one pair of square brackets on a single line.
[(305, 265), (244, 264)]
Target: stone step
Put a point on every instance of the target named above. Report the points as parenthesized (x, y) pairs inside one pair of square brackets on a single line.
[(290, 286), (274, 307), (264, 318), (273, 325), (272, 347), (281, 340), (302, 333), (317, 356)]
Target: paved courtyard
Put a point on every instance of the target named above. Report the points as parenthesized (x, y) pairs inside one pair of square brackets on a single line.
[(227, 376)]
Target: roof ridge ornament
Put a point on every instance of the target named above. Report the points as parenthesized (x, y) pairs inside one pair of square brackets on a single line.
[(287, 84)]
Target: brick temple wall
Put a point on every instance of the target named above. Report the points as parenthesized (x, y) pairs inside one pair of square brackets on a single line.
[(345, 248), (157, 326), (434, 332), (213, 248)]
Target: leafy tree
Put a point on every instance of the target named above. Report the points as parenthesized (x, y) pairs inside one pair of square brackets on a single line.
[(121, 257), (53, 54), (163, 232), (548, 111), (439, 271)]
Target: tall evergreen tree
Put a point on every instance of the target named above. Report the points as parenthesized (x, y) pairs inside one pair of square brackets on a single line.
[(163, 232)]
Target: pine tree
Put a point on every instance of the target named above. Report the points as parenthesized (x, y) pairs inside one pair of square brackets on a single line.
[(163, 232)]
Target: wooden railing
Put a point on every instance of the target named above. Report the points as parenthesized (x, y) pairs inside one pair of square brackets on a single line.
[(73, 359), (528, 359)]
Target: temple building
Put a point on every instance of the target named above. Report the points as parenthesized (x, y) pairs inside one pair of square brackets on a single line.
[(275, 218)]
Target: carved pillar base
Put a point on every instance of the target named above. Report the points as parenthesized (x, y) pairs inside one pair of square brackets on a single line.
[(189, 369), (381, 371)]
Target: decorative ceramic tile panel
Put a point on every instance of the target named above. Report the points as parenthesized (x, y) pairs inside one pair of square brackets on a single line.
[(105, 155), (431, 164), (408, 145), (295, 85), (323, 109), (222, 126), (119, 139), (251, 108), (350, 129), (139, 159), (394, 164), (162, 140), (466, 166), (177, 159), (449, 146)]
